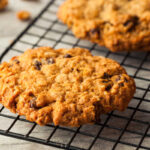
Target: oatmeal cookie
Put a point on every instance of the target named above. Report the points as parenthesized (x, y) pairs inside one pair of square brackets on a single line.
[(119, 25), (66, 87), (3, 4)]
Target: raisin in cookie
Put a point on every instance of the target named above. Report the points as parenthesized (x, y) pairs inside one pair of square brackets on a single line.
[(3, 4), (66, 87), (120, 25)]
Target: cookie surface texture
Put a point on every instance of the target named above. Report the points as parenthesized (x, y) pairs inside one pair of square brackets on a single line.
[(66, 87), (119, 25)]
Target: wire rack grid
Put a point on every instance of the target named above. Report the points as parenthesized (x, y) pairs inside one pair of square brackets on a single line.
[(117, 130)]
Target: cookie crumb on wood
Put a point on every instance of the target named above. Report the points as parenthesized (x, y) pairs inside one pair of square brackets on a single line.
[(23, 15)]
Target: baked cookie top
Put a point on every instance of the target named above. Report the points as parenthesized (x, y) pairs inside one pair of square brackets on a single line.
[(120, 25), (67, 87)]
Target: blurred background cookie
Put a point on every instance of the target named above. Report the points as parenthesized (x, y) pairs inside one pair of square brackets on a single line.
[(119, 25), (3, 4)]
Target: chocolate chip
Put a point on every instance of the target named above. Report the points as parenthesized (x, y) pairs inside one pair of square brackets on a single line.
[(38, 65), (50, 61), (33, 103), (67, 56), (108, 87), (106, 76)]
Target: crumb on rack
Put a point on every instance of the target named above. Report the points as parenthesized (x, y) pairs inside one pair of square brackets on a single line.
[(23, 15)]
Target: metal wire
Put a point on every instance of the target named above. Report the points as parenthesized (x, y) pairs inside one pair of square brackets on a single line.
[(115, 128)]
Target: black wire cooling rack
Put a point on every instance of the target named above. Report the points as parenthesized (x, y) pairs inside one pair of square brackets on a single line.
[(129, 130)]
